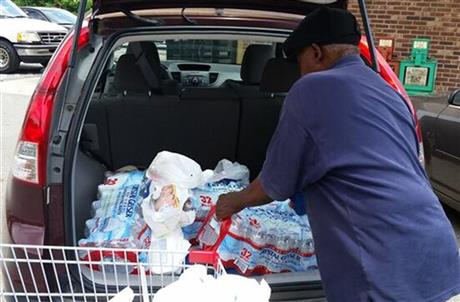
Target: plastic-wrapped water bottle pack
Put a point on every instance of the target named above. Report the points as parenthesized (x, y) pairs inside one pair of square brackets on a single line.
[(261, 240), (204, 198), (116, 217), (227, 177)]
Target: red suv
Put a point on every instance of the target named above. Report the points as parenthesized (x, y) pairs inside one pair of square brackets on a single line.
[(201, 78)]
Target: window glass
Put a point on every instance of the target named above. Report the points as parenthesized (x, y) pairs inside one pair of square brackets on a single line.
[(11, 10), (198, 51), (205, 51), (217, 61), (60, 16), (456, 100), (35, 15)]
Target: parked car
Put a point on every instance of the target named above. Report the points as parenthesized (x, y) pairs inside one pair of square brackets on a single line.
[(120, 103), (440, 123), (25, 40), (51, 14)]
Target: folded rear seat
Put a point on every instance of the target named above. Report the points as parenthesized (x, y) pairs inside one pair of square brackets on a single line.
[(132, 126), (128, 85), (206, 124), (260, 112), (210, 124)]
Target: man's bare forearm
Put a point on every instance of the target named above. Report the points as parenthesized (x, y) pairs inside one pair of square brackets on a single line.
[(254, 195), (231, 203)]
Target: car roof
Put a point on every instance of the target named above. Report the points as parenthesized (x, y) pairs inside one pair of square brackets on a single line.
[(41, 8)]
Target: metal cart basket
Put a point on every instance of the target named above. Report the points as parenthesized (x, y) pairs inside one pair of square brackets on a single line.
[(62, 273)]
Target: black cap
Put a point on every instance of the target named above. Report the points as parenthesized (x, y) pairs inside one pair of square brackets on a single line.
[(322, 27)]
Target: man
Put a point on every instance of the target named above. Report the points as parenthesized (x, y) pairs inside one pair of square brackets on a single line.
[(348, 139)]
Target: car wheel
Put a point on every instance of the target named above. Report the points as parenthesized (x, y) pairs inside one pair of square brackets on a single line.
[(9, 60)]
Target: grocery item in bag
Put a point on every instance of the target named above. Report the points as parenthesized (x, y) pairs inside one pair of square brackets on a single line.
[(171, 178), (195, 285), (261, 240), (166, 207), (227, 177)]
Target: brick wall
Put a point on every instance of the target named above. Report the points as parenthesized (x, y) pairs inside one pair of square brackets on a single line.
[(405, 20)]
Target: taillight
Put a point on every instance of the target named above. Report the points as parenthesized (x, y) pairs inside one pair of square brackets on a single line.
[(30, 157), (25, 165)]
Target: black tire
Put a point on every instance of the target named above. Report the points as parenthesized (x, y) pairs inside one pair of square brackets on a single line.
[(9, 59)]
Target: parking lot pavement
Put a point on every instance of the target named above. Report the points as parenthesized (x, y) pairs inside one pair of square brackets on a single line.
[(24, 71)]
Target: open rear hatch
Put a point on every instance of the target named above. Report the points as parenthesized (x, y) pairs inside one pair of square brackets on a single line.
[(286, 6)]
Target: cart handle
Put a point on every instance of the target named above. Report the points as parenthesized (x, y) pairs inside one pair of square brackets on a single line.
[(204, 257)]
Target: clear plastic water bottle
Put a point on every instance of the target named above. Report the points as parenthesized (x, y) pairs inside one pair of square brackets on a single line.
[(270, 238), (282, 242), (210, 232), (292, 243), (259, 237), (237, 227), (247, 231), (307, 246)]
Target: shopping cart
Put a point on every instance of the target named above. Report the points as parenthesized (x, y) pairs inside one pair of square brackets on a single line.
[(62, 273)]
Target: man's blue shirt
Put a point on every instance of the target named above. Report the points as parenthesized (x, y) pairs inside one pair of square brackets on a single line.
[(348, 139)]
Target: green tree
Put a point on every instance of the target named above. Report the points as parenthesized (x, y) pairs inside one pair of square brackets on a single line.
[(70, 5)]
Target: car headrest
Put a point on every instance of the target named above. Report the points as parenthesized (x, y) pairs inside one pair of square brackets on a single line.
[(146, 54), (254, 59), (279, 75), (128, 76), (147, 47)]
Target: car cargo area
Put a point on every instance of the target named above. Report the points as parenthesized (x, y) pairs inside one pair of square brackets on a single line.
[(156, 96)]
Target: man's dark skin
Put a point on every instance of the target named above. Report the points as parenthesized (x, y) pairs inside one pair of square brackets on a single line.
[(311, 59)]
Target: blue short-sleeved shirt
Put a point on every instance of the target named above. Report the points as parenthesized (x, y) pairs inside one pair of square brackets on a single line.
[(349, 140)]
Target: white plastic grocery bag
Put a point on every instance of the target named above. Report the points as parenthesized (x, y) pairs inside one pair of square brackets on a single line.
[(174, 168), (195, 285), (171, 178), (225, 169)]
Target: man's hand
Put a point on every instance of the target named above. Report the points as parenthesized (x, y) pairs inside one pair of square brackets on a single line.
[(229, 204)]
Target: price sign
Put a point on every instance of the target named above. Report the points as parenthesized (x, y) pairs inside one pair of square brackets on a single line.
[(421, 44), (386, 43), (386, 47)]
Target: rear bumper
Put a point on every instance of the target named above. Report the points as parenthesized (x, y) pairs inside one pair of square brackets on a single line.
[(35, 53), (24, 207)]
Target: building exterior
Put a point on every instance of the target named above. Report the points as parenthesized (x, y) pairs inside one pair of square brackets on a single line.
[(406, 20)]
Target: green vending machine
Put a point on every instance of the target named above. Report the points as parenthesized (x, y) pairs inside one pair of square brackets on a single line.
[(418, 73)]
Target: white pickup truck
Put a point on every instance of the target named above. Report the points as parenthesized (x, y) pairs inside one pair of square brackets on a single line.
[(25, 40)]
